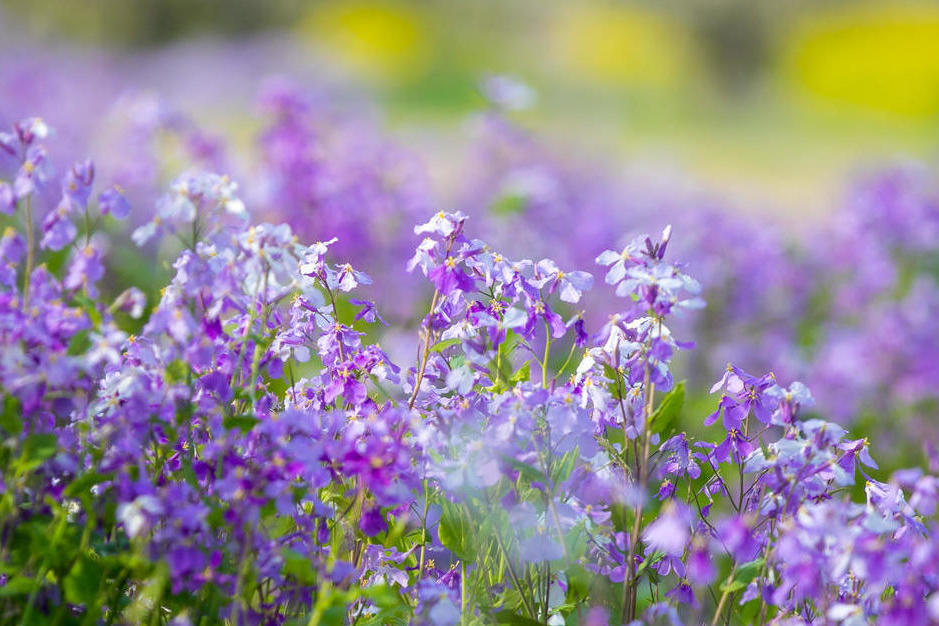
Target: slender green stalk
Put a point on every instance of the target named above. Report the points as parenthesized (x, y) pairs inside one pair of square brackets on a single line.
[(630, 584), (43, 570), (332, 301), (547, 354), (420, 571), (724, 596), (515, 579), (567, 361), (462, 592), (425, 353)]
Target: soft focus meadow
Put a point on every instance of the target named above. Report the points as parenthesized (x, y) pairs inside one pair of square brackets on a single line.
[(469, 313)]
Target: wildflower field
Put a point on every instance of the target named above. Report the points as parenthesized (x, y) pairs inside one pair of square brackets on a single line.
[(266, 361)]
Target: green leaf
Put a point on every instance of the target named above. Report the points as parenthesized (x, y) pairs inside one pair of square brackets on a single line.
[(10, 419), (501, 378), (508, 345), (85, 482), (89, 307), (668, 409), (562, 470), (440, 346), (616, 387), (18, 585), (749, 571), (455, 530), (509, 617), (79, 343), (578, 583), (83, 580), (528, 472), (243, 422), (522, 374), (742, 576), (37, 448), (383, 596), (649, 561), (509, 204), (298, 566), (176, 371), (730, 586)]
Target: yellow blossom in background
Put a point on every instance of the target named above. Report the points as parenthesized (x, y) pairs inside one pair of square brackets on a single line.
[(880, 57), (620, 45), (382, 41)]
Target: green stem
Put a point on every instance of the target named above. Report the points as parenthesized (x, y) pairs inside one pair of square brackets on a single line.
[(462, 592), (631, 583), (723, 601), (567, 361), (420, 571), (322, 602), (43, 570), (255, 371), (547, 353), (515, 580), (426, 352), (87, 227), (332, 301)]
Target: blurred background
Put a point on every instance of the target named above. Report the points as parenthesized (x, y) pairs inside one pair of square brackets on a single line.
[(773, 103), (791, 144)]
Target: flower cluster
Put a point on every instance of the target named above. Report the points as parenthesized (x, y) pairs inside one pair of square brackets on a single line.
[(247, 451), (860, 328)]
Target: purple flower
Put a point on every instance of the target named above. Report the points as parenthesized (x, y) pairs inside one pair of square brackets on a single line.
[(58, 230), (32, 173), (85, 270), (368, 312), (448, 276), (112, 201), (670, 531), (347, 279), (736, 446), (442, 224), (678, 459), (738, 539), (76, 186), (7, 199), (700, 568), (747, 393), (373, 521), (572, 285), (791, 400), (683, 594)]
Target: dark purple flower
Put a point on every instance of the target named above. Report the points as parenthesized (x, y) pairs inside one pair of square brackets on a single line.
[(735, 446), (737, 537), (450, 276), (682, 593), (368, 312), (372, 522), (700, 568)]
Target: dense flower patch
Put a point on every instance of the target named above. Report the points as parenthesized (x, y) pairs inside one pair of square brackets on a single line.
[(845, 302), (247, 451)]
